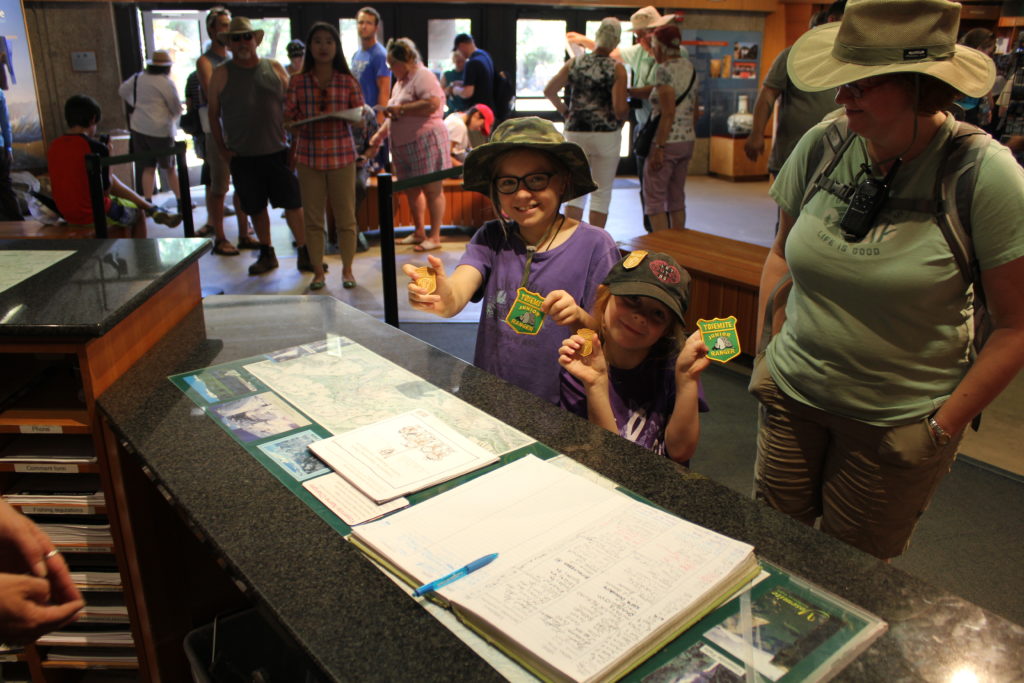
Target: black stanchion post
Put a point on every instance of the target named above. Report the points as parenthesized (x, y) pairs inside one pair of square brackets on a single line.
[(185, 198), (93, 168), (388, 270)]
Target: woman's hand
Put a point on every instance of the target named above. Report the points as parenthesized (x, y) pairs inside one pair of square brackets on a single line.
[(656, 157), (394, 111), (592, 370)]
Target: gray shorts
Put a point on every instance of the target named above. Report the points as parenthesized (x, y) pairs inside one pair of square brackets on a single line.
[(220, 172), (146, 143)]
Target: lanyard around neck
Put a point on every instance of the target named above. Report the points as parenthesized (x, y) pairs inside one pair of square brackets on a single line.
[(531, 249)]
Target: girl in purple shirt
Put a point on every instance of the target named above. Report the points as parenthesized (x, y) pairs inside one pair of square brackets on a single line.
[(532, 265), (641, 378)]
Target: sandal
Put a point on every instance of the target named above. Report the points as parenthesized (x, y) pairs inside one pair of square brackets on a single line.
[(224, 247), (410, 239), (316, 285), (427, 245), (205, 231)]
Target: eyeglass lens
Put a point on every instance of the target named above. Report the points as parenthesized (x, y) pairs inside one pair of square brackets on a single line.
[(240, 37), (508, 184)]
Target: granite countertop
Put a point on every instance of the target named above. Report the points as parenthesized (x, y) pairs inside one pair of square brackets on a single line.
[(357, 625), (92, 288)]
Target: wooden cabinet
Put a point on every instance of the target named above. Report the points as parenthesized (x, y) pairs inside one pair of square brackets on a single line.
[(48, 405), (728, 159)]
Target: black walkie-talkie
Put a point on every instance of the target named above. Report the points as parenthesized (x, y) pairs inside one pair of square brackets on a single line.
[(867, 200)]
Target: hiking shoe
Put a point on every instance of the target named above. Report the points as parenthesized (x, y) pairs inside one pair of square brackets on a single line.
[(267, 261), (171, 220), (303, 262)]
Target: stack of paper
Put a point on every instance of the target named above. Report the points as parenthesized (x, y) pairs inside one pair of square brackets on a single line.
[(53, 493), (54, 448), (108, 608), (108, 655), (78, 535), (115, 638)]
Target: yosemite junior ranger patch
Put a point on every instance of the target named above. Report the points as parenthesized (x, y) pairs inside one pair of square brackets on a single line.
[(721, 337)]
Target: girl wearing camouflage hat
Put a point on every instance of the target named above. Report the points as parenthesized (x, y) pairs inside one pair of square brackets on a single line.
[(531, 264)]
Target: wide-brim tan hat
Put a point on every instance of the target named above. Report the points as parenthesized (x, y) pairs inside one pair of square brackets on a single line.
[(879, 37), (527, 132), (647, 18), (160, 58), (240, 25)]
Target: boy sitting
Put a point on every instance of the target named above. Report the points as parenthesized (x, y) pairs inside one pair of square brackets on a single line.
[(70, 182)]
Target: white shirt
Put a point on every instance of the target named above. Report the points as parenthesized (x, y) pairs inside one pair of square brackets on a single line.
[(156, 102), (458, 134)]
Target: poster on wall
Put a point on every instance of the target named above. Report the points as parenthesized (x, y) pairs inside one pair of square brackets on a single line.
[(18, 85), (728, 66)]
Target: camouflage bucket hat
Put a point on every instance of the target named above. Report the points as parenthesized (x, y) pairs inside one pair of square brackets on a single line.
[(528, 132)]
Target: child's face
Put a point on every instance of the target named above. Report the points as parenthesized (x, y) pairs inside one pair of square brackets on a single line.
[(635, 322), (533, 210)]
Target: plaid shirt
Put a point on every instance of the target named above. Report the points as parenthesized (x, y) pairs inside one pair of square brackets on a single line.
[(326, 144)]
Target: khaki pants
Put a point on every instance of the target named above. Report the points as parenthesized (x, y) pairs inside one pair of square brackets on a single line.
[(339, 186), (868, 484)]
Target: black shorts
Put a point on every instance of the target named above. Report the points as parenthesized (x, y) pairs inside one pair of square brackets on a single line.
[(262, 178), (146, 143)]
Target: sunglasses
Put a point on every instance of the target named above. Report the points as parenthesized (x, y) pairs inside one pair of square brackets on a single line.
[(509, 184), (862, 87), (240, 37)]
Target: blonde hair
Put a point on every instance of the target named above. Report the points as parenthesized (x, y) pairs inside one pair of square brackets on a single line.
[(403, 50), (670, 343)]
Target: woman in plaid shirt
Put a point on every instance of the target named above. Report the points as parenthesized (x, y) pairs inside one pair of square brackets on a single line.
[(325, 154)]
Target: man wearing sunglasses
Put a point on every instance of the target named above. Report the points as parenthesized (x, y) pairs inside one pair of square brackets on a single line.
[(247, 121)]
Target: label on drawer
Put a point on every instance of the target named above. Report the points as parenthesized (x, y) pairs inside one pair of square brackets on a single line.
[(41, 429), (58, 509), (48, 468)]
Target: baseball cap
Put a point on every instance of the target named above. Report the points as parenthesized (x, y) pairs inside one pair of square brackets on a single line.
[(654, 275)]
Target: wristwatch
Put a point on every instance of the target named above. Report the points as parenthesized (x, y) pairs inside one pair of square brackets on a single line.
[(942, 437)]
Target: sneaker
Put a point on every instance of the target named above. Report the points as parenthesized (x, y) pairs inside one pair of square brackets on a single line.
[(267, 261), (303, 262), (171, 220)]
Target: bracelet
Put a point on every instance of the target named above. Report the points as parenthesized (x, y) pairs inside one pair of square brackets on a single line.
[(942, 437)]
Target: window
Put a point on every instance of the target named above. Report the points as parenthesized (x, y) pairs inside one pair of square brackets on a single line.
[(540, 53), (277, 32), (440, 37), (179, 33), (349, 37)]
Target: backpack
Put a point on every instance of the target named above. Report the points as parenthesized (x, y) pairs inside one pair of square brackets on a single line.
[(504, 92), (190, 122), (950, 204)]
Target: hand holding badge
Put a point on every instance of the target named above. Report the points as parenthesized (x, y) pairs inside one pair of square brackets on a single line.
[(582, 356)]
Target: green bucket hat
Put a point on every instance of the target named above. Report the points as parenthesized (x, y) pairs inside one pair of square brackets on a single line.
[(528, 132)]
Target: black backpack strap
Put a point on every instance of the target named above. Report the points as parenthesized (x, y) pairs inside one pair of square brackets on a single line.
[(823, 159)]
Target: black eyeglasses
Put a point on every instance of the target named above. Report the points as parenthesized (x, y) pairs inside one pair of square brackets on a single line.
[(862, 87), (240, 37), (509, 184)]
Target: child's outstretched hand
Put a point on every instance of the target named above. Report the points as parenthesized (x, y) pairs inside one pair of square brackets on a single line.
[(561, 308), (588, 369), (421, 296), (693, 358)]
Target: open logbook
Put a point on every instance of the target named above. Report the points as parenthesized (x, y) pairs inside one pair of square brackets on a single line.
[(588, 582)]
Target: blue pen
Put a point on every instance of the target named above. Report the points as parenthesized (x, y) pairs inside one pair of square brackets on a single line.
[(455, 575)]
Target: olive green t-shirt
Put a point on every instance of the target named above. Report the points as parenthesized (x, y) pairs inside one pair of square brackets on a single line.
[(880, 330)]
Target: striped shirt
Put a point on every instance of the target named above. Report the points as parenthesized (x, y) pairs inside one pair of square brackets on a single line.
[(325, 144)]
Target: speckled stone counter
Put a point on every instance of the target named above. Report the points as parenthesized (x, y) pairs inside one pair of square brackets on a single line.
[(357, 625)]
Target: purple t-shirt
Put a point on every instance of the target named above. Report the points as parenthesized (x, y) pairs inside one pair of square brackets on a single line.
[(578, 266), (642, 400)]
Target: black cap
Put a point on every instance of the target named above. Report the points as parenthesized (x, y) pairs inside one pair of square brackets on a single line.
[(462, 38), (656, 275), (295, 47)]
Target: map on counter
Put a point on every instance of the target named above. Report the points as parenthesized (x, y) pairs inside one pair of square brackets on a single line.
[(18, 266), (347, 386)]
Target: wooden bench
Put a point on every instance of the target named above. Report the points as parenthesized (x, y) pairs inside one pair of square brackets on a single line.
[(726, 275), (35, 230), (461, 207)]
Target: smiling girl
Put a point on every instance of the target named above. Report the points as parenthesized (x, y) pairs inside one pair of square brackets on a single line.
[(640, 378), (531, 264)]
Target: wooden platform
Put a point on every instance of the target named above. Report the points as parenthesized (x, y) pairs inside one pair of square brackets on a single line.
[(463, 208), (725, 274), (36, 230)]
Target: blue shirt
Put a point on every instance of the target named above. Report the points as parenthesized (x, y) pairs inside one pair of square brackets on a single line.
[(367, 66)]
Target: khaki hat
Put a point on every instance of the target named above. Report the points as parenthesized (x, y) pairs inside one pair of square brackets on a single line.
[(527, 132), (649, 17), (240, 25), (879, 37), (160, 58), (658, 276), (609, 33)]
